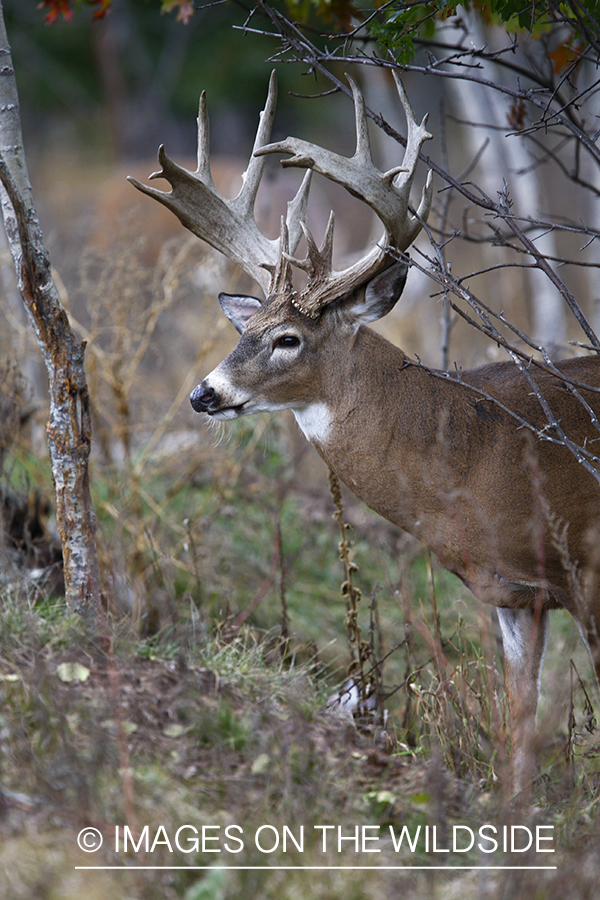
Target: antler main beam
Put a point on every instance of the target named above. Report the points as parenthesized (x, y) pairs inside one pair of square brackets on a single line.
[(229, 225), (387, 193)]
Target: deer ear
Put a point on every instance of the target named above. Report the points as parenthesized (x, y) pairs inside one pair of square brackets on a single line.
[(239, 309), (375, 299)]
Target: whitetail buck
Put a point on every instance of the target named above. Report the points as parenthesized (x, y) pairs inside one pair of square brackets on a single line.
[(506, 508)]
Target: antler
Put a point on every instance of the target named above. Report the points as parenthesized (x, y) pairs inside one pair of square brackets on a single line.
[(229, 225), (388, 193)]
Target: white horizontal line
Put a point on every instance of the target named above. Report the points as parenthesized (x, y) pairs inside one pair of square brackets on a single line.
[(320, 868)]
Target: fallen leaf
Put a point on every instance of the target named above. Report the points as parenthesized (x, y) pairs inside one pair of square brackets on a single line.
[(174, 730), (70, 671), (112, 725), (261, 764)]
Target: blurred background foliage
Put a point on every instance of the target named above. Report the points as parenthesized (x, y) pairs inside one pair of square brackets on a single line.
[(119, 85), (119, 75)]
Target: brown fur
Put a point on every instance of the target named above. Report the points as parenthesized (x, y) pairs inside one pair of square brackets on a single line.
[(508, 510)]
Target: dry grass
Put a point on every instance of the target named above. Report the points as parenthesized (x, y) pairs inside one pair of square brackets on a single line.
[(205, 699)]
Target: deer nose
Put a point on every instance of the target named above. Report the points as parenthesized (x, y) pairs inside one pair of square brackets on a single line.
[(203, 397)]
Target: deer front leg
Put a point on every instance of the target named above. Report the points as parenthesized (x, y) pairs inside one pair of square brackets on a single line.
[(524, 636)]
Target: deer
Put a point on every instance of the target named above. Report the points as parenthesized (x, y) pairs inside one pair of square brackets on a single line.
[(508, 509)]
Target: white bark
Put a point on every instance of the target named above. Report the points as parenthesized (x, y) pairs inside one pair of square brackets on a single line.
[(508, 157), (69, 434)]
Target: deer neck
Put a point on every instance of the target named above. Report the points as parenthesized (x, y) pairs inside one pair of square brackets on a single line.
[(378, 426)]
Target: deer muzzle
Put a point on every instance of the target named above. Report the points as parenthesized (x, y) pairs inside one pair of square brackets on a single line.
[(204, 399), (209, 400)]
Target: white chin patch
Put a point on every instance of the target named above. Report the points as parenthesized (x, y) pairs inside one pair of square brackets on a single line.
[(225, 414), (315, 422)]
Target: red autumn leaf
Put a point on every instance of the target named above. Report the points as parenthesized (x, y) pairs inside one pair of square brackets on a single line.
[(103, 6), (57, 8)]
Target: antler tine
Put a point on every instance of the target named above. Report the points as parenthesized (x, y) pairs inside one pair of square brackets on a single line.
[(417, 133), (318, 264), (229, 225), (403, 177), (253, 174), (203, 155), (296, 212), (281, 280), (363, 141), (318, 260), (388, 194)]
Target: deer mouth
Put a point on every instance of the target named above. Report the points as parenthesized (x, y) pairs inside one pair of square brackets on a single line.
[(227, 412), (205, 399)]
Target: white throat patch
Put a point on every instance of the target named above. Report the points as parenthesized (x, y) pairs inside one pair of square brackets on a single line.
[(315, 422)]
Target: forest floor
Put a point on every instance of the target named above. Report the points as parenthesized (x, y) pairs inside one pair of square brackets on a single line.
[(194, 735)]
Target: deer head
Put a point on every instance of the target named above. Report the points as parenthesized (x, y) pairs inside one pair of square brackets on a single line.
[(288, 325)]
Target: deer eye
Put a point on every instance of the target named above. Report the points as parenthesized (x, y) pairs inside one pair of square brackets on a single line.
[(286, 341)]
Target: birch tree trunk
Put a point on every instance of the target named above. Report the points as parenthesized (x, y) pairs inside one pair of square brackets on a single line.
[(68, 428)]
